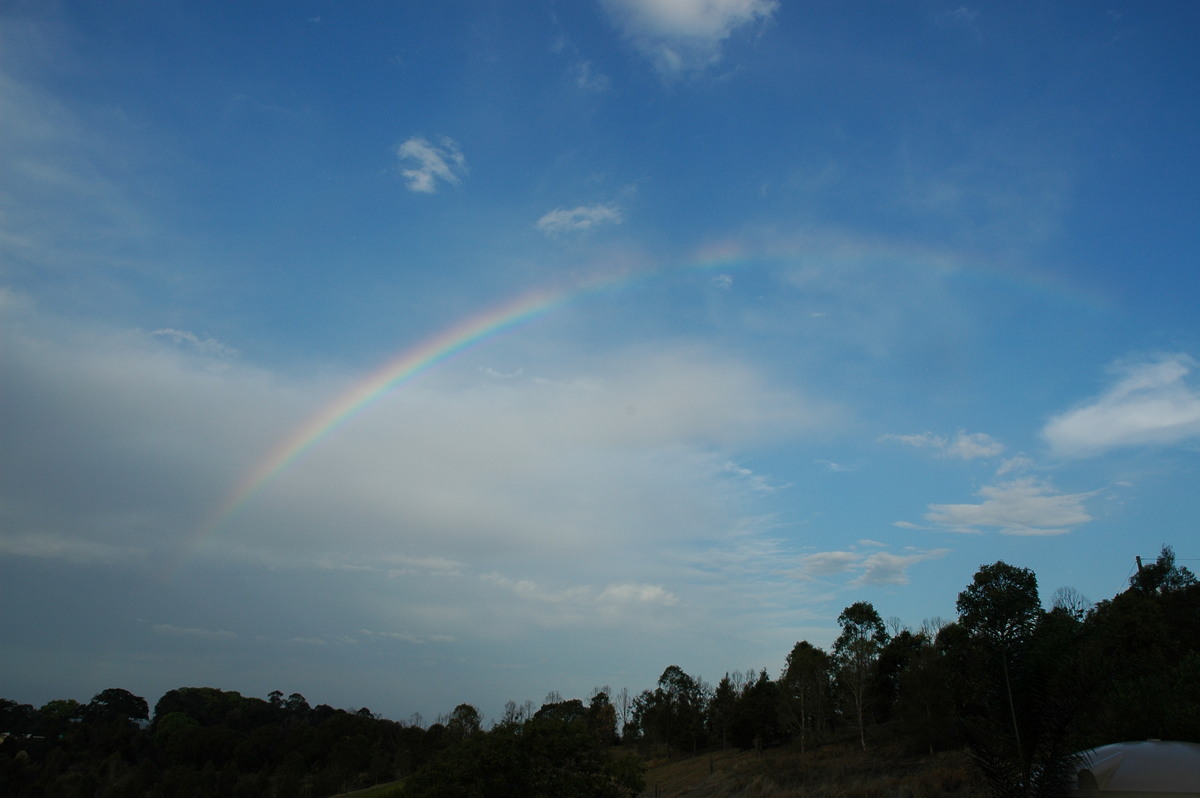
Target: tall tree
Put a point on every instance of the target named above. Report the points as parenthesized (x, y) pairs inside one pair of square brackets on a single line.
[(1000, 608), (720, 709), (804, 687), (855, 653), (674, 712)]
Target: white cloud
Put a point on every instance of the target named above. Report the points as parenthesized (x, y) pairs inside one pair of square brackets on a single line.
[(428, 163), (884, 568), (964, 445), (1021, 507), (679, 35), (1150, 404), (876, 568), (585, 217)]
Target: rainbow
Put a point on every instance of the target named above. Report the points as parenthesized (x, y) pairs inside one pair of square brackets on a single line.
[(471, 332), (407, 365), (410, 363)]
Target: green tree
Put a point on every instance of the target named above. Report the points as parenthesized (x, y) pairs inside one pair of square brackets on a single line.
[(756, 715), (1002, 613), (855, 653), (115, 704), (804, 689), (465, 721), (674, 712), (720, 709), (1161, 576)]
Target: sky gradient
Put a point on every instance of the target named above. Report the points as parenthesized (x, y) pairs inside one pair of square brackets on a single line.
[(407, 354)]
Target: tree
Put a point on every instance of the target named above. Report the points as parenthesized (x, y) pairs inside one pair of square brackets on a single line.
[(1000, 608), (721, 707), (674, 712), (465, 721), (115, 704), (855, 653), (895, 659), (1162, 576), (554, 752), (1072, 602), (602, 718), (755, 721), (1001, 604), (804, 687), (55, 718)]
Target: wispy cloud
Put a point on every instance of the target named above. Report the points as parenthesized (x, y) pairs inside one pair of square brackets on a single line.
[(1021, 507), (757, 482), (429, 164), (584, 217), (192, 632), (205, 345), (964, 445), (679, 35), (589, 80), (1149, 404)]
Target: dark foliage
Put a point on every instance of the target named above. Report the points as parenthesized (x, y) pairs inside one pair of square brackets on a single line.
[(564, 749)]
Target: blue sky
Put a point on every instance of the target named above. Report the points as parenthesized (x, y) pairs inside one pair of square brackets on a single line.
[(852, 298)]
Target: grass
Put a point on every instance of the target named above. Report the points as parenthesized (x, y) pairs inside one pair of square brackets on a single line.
[(841, 770), (392, 789), (835, 770)]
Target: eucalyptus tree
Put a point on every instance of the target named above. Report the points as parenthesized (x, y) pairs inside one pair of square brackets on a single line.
[(855, 653), (1000, 610), (804, 686)]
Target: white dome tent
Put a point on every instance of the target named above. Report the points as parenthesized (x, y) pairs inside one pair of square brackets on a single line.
[(1145, 769)]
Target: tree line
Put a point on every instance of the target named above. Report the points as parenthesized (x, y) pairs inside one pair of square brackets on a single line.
[(1023, 688)]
